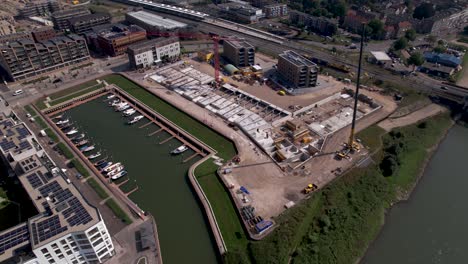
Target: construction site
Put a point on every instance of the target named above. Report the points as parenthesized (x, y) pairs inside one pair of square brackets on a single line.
[(296, 142)]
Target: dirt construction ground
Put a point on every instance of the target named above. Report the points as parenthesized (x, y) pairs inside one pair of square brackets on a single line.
[(270, 188), (268, 94)]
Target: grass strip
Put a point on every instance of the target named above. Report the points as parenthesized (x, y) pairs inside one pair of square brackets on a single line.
[(97, 187), (225, 213), (30, 110), (76, 94), (65, 150), (53, 137), (80, 168), (118, 211)]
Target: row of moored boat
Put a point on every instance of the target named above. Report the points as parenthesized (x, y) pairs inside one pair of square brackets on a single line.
[(127, 111), (106, 167)]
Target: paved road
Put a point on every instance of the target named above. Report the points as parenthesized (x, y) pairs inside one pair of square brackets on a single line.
[(33, 92), (415, 82)]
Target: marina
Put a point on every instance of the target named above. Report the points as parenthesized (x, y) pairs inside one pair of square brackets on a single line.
[(136, 178)]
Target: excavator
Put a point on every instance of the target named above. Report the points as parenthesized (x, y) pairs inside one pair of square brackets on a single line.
[(310, 188)]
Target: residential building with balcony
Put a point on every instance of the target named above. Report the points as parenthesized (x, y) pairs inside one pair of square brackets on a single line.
[(297, 71), (25, 58), (153, 51), (239, 52)]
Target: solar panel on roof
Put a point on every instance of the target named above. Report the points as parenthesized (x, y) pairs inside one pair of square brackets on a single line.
[(76, 214), (34, 180), (49, 227), (23, 132), (42, 176), (13, 238), (24, 145), (50, 188)]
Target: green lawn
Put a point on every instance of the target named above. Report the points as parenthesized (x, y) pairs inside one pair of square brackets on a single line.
[(372, 137), (79, 167), (30, 110), (65, 151), (51, 135), (97, 187), (75, 94), (226, 215), (118, 211), (67, 94)]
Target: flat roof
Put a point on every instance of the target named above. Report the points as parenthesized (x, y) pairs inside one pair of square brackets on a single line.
[(295, 58), (62, 208), (159, 42), (155, 20), (380, 56)]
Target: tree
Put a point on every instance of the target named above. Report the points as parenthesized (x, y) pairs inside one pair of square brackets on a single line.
[(424, 10), (416, 59), (440, 49), (377, 30), (400, 44), (410, 34), (431, 39)]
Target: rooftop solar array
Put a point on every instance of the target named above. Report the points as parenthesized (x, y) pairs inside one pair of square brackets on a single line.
[(14, 237), (47, 228), (24, 145), (76, 214), (22, 132), (6, 145), (50, 189), (34, 180), (6, 123)]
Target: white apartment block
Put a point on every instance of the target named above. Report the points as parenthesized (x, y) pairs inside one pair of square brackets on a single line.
[(150, 52)]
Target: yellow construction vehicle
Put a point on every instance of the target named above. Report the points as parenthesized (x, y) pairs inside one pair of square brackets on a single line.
[(310, 188)]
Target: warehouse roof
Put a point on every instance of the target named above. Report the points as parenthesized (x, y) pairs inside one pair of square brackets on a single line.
[(155, 20), (380, 56)]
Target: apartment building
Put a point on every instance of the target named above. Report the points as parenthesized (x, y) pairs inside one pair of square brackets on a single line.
[(61, 18), (85, 23), (115, 39), (153, 23), (67, 229), (39, 8), (320, 25), (239, 52), (296, 70), (25, 58), (149, 52), (275, 10), (43, 34), (6, 28)]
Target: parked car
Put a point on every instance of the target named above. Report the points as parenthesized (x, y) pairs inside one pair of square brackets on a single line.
[(18, 92)]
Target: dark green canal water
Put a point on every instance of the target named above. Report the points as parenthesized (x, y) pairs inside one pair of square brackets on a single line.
[(164, 188), (432, 227)]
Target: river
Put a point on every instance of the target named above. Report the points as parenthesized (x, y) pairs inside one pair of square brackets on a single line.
[(431, 227), (164, 188)]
